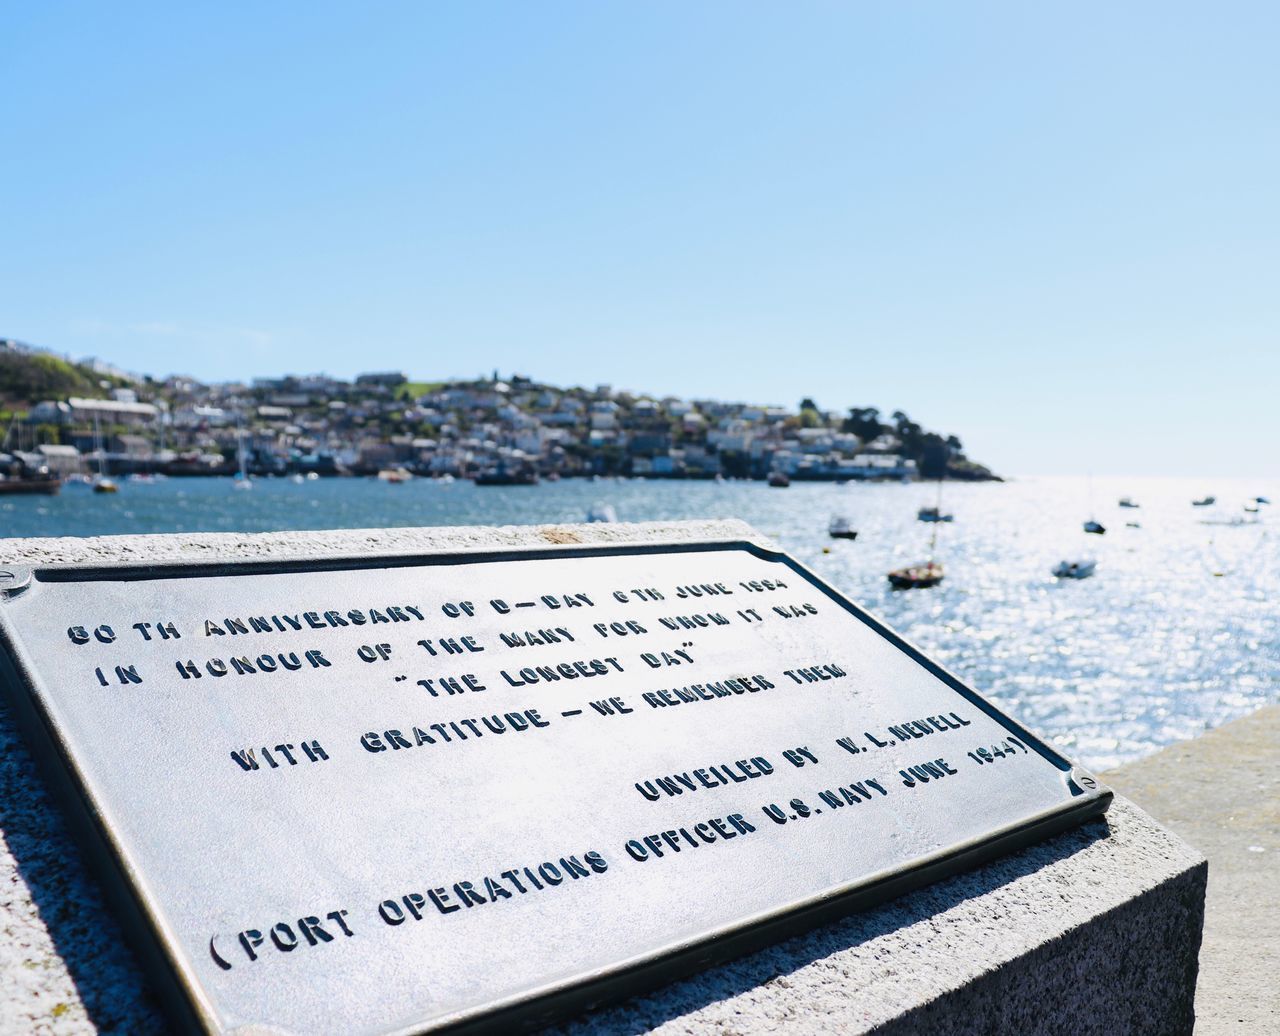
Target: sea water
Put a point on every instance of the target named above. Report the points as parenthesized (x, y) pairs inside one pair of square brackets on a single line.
[(1177, 632)]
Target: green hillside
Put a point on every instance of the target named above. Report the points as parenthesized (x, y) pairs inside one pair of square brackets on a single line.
[(27, 378)]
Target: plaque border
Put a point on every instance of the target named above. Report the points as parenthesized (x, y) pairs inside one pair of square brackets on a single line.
[(181, 992)]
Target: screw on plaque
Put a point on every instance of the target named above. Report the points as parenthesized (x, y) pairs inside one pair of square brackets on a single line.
[(1082, 782), (14, 580)]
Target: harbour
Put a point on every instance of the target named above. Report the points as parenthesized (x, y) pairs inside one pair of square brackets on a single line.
[(1175, 634)]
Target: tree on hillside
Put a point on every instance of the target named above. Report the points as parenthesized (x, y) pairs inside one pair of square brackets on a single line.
[(32, 377), (864, 422)]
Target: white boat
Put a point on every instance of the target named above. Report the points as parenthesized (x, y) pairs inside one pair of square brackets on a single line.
[(602, 513), (394, 475), (241, 480), (839, 528), (1080, 569)]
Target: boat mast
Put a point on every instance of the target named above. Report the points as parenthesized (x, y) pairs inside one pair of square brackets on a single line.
[(97, 443), (937, 514)]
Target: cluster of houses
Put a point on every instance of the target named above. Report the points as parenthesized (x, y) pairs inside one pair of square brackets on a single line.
[(382, 422)]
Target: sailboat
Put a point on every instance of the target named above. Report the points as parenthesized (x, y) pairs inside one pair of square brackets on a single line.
[(934, 513), (101, 484), (927, 573), (242, 476), (917, 577), (1093, 525)]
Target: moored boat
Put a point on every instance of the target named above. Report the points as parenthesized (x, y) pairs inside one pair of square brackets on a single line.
[(917, 577), (1095, 527), (46, 485), (20, 474), (504, 477), (1127, 502), (1205, 501), (840, 529), (1081, 569), (779, 481), (933, 514), (241, 481), (101, 484)]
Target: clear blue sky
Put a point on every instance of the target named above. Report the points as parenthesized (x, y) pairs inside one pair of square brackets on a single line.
[(1050, 229)]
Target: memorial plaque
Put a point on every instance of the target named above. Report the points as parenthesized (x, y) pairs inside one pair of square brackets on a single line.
[(401, 793)]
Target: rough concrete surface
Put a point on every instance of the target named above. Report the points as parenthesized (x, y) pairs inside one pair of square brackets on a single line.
[(1093, 931), (1221, 792)]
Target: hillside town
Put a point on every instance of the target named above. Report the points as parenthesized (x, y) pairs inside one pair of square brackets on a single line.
[(83, 417)]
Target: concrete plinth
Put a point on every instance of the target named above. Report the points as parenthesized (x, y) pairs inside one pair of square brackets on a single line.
[(1094, 931)]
